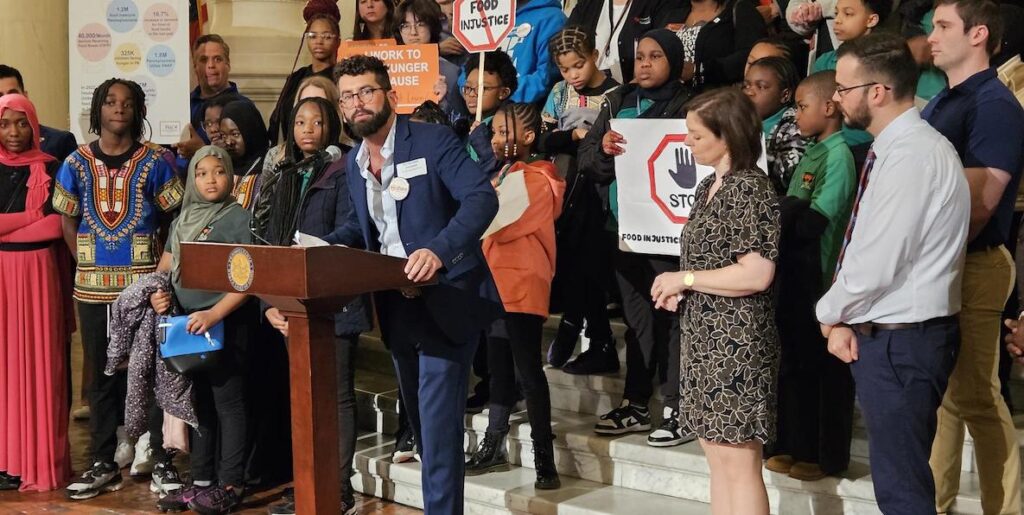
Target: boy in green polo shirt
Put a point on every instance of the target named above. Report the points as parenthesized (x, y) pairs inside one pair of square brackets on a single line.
[(815, 395), (826, 174)]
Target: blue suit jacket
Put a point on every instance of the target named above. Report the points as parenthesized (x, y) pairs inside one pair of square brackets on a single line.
[(447, 211), (59, 144)]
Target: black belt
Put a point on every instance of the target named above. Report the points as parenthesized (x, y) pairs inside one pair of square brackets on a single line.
[(24, 247), (870, 328)]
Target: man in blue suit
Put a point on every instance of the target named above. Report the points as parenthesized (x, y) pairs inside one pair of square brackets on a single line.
[(416, 194)]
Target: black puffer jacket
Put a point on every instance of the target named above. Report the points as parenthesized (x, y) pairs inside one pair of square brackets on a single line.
[(325, 206)]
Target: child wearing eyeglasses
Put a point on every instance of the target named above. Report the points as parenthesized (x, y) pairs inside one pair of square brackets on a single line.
[(322, 37), (499, 83), (419, 23)]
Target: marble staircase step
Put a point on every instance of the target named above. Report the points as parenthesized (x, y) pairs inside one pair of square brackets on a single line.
[(628, 462), (377, 401), (512, 491)]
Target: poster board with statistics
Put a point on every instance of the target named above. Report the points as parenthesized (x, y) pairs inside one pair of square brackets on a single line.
[(145, 41)]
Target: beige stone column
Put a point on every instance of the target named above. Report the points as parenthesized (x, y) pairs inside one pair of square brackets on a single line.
[(34, 40), (264, 36)]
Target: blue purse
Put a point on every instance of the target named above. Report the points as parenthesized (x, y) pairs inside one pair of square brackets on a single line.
[(184, 352)]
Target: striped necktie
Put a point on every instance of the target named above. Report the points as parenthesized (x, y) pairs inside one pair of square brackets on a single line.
[(865, 171)]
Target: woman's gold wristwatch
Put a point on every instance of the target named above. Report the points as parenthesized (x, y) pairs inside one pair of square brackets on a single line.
[(688, 279)]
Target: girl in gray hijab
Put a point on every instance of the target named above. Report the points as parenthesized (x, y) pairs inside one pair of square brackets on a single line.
[(210, 213)]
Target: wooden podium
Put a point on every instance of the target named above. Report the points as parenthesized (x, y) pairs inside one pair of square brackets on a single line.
[(308, 285)]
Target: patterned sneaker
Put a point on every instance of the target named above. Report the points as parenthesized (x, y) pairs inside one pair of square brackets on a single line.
[(216, 501), (102, 477), (627, 418), (165, 479), (178, 500), (669, 433)]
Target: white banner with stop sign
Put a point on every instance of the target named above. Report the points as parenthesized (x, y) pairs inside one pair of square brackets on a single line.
[(656, 179)]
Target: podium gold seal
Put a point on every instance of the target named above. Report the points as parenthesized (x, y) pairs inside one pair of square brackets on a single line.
[(240, 269)]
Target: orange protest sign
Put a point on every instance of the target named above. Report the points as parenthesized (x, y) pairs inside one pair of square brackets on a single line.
[(413, 70)]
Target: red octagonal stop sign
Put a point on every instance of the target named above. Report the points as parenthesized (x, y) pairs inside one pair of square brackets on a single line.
[(481, 25), (672, 172)]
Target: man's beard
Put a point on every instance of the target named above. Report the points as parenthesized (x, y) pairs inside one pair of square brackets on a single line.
[(860, 117), (374, 124)]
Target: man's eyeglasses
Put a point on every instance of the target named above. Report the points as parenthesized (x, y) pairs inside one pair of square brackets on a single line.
[(365, 96), (471, 90), (408, 27), (842, 91), (322, 36)]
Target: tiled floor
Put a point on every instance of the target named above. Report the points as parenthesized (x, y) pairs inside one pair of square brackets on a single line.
[(135, 497)]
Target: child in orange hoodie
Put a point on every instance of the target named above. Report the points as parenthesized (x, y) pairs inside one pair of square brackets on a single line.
[(522, 260)]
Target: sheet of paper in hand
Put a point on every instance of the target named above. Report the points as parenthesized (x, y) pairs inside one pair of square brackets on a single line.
[(513, 199), (308, 240)]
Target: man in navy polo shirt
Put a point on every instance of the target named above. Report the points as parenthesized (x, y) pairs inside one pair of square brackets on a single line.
[(211, 60), (985, 123)]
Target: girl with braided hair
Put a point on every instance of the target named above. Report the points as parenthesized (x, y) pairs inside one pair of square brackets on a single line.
[(521, 257), (575, 102), (771, 83), (582, 278)]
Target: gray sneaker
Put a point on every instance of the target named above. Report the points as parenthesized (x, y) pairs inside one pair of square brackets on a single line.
[(101, 478)]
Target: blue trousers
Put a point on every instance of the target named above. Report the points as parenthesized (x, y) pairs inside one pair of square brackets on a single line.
[(901, 377), (433, 374)]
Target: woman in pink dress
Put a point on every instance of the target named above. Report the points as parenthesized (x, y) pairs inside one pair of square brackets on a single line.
[(34, 451)]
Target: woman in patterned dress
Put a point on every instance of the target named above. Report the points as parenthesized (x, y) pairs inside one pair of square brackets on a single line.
[(729, 357)]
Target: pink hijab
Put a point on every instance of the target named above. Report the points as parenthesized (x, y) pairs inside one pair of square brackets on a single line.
[(34, 158)]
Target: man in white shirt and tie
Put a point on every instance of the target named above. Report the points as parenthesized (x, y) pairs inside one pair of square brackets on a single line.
[(891, 309)]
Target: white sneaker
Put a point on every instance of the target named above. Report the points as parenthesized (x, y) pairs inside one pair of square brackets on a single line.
[(124, 455), (143, 462)]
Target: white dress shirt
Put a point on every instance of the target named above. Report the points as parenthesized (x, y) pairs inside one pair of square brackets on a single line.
[(906, 253), (382, 206)]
